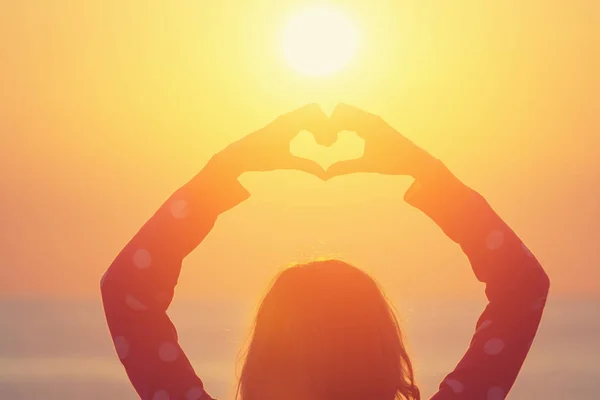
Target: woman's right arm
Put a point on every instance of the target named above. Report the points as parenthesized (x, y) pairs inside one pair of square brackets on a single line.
[(516, 284)]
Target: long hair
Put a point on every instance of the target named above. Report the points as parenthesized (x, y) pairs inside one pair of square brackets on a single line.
[(325, 331)]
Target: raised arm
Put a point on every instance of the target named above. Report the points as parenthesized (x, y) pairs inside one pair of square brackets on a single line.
[(138, 286), (516, 284)]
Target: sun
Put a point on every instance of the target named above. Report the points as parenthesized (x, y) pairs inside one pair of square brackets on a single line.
[(319, 40)]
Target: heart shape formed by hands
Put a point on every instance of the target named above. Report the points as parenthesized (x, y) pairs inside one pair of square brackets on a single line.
[(383, 149), (347, 146), (370, 145)]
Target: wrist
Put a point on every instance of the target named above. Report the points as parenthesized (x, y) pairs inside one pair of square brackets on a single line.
[(220, 168), (423, 165), (216, 188)]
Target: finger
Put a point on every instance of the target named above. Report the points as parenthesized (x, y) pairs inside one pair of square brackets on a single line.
[(309, 117), (305, 165), (347, 167), (351, 118)]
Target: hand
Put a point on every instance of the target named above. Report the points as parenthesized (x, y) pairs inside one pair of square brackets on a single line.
[(268, 149), (386, 150)]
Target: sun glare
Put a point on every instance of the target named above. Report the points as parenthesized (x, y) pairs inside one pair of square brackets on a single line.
[(319, 41)]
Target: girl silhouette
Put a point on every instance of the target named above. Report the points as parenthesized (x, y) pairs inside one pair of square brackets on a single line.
[(324, 331)]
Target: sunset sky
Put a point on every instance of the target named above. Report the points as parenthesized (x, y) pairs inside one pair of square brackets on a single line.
[(107, 107)]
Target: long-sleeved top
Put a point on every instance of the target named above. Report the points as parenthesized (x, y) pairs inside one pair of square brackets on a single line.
[(139, 285)]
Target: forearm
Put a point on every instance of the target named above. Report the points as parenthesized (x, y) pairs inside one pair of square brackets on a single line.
[(467, 219), (176, 228)]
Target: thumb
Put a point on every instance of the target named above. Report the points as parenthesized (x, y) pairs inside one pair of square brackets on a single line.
[(346, 167), (305, 165)]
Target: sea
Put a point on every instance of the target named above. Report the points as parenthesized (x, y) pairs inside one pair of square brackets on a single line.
[(61, 350)]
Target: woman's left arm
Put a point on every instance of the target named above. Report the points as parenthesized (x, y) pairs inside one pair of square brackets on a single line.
[(138, 286)]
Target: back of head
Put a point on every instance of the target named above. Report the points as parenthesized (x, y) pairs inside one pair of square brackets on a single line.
[(325, 331)]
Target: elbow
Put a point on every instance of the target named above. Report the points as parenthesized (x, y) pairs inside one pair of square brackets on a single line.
[(540, 282), (545, 283), (109, 291), (105, 282)]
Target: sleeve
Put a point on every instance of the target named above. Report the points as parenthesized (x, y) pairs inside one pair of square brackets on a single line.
[(138, 287), (516, 286)]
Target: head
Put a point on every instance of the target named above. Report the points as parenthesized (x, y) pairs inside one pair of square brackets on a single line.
[(325, 331)]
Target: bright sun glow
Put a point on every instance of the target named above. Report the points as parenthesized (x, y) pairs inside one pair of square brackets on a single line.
[(319, 41)]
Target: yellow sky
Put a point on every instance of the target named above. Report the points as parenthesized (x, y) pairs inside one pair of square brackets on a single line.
[(106, 107)]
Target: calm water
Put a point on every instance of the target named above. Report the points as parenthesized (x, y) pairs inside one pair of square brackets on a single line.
[(60, 350)]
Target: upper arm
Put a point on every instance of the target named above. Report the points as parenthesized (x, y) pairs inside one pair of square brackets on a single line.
[(146, 343), (516, 287), (505, 330)]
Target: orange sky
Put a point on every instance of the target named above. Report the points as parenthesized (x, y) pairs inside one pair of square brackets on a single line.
[(106, 107)]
